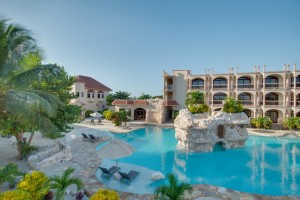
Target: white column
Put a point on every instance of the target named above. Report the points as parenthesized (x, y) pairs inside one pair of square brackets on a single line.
[(228, 83), (264, 83), (284, 82), (295, 81), (254, 82)]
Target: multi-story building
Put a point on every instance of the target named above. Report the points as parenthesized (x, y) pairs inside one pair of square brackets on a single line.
[(263, 93), (91, 94)]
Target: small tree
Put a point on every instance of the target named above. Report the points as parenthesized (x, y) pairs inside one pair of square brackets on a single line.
[(202, 108), (8, 173), (105, 194), (194, 97), (108, 114), (173, 191), (61, 183), (232, 106), (291, 123)]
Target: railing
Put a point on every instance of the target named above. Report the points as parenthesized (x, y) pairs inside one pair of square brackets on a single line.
[(246, 102), (197, 87), (219, 86), (297, 85), (217, 102), (245, 86), (272, 86), (169, 87), (272, 103)]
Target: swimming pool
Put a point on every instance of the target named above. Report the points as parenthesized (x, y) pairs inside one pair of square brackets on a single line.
[(269, 166)]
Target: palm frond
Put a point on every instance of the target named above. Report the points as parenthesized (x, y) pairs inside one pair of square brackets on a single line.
[(25, 78)]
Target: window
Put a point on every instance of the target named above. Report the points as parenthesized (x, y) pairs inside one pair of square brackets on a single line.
[(102, 95), (93, 95), (245, 98), (77, 94), (89, 95), (219, 97), (220, 83), (82, 94), (244, 82), (271, 82), (198, 84), (99, 95)]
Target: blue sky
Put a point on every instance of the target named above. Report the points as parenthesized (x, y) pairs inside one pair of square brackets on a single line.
[(127, 44)]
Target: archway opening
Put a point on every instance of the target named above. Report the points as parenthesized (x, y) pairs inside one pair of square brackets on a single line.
[(139, 114), (271, 99), (219, 98), (247, 112), (245, 98), (244, 82), (273, 114), (220, 132), (219, 83), (272, 82), (219, 146), (198, 84)]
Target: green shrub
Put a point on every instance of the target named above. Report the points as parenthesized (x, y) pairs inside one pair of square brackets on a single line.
[(232, 106), (261, 122), (123, 116), (291, 123), (108, 114), (202, 108), (88, 113), (105, 195)]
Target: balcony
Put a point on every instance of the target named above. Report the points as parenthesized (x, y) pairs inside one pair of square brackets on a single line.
[(269, 86), (246, 102), (297, 85), (245, 86), (196, 87), (169, 88), (219, 86), (272, 103)]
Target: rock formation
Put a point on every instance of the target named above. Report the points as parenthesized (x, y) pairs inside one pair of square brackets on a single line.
[(201, 133)]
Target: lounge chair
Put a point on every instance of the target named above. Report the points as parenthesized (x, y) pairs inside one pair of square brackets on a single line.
[(107, 173), (85, 137), (127, 178), (93, 138)]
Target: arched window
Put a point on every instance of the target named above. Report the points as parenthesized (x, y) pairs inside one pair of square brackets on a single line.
[(198, 84), (245, 98), (271, 82), (219, 98), (271, 99), (244, 82), (220, 83)]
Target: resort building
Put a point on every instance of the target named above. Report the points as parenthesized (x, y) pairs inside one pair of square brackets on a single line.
[(91, 94), (263, 93)]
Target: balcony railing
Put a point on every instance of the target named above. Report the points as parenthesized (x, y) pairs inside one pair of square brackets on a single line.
[(297, 85), (273, 86), (272, 103), (219, 86), (246, 102), (196, 87), (245, 86), (169, 87)]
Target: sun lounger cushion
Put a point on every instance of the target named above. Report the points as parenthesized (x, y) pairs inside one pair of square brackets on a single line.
[(127, 178), (108, 172)]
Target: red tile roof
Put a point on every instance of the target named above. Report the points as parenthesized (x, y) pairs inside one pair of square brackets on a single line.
[(122, 102), (170, 103), (91, 83)]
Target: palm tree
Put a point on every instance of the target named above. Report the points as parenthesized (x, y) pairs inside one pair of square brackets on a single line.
[(61, 183), (232, 106), (173, 191), (8, 173), (22, 108)]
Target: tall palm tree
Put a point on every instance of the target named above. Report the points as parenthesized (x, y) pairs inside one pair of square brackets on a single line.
[(173, 191), (61, 183), (22, 108)]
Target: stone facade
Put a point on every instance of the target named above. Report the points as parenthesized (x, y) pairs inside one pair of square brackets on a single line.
[(201, 133)]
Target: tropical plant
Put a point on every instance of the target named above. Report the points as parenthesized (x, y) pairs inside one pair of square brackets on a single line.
[(291, 123), (173, 191), (194, 97), (108, 114), (261, 122), (144, 96), (202, 108), (232, 106), (35, 184), (105, 194), (27, 149), (23, 108), (8, 173), (15, 195), (61, 183)]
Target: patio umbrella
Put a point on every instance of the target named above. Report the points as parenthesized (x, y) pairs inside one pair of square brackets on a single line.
[(114, 149), (96, 115)]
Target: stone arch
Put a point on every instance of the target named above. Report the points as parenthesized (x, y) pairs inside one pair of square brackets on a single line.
[(139, 114), (273, 98), (273, 114), (273, 81)]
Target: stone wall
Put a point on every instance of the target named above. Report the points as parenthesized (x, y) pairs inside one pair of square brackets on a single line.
[(201, 133), (155, 111)]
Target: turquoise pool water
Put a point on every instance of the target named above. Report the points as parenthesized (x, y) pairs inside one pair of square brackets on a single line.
[(268, 166)]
